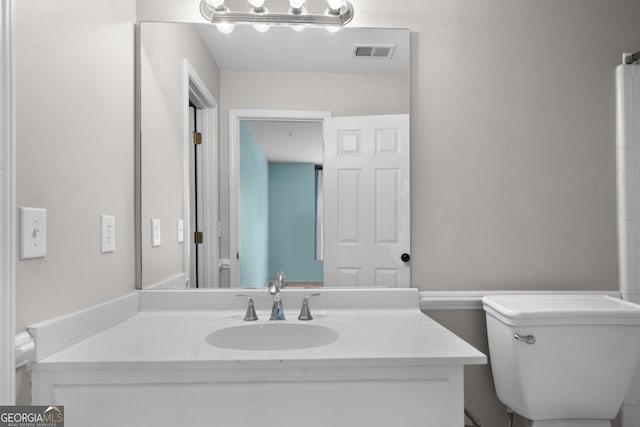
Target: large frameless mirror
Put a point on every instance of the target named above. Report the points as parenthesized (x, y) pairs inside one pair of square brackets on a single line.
[(270, 151)]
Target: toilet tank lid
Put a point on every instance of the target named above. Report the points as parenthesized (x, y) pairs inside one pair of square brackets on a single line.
[(525, 310)]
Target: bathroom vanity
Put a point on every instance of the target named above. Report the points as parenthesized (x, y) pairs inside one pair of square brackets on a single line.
[(169, 358)]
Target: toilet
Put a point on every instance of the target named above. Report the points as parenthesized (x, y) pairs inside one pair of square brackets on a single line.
[(562, 360)]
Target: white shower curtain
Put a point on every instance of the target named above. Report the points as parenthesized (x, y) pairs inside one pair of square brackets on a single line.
[(628, 191), (628, 167)]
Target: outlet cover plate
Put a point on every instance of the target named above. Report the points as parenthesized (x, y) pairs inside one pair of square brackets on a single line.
[(108, 233), (155, 232), (180, 231)]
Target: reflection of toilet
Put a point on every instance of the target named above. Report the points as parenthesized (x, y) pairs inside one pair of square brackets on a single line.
[(563, 361)]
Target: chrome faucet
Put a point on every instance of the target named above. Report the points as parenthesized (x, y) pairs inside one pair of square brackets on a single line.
[(277, 313)]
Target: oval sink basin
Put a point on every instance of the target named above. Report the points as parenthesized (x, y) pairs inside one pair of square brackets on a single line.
[(272, 336)]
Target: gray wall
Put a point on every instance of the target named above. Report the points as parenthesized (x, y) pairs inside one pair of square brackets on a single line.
[(479, 391), (514, 160), (74, 86), (164, 47)]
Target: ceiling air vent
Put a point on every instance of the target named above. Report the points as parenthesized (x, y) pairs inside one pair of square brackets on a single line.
[(381, 51)]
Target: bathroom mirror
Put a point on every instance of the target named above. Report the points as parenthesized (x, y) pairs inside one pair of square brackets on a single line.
[(220, 111)]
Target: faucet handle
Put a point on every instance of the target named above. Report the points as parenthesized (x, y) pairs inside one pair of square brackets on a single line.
[(305, 312), (250, 315)]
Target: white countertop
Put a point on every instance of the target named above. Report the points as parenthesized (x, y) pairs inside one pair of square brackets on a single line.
[(168, 332)]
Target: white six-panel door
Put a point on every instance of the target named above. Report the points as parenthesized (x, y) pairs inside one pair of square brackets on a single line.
[(366, 201)]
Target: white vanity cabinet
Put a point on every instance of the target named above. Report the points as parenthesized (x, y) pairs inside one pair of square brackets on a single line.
[(391, 365), (267, 394)]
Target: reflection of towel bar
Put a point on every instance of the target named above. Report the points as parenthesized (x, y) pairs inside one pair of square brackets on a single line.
[(223, 264)]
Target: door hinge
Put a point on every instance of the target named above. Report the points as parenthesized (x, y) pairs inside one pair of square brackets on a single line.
[(197, 237), (197, 138)]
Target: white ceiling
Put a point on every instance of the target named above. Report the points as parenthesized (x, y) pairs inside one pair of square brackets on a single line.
[(313, 49), (289, 142)]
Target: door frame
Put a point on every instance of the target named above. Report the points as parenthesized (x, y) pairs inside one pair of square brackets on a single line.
[(7, 202), (235, 116), (196, 91)]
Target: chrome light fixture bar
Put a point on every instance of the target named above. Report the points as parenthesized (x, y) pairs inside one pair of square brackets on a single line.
[(216, 12)]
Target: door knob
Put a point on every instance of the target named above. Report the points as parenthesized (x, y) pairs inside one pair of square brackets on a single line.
[(405, 257)]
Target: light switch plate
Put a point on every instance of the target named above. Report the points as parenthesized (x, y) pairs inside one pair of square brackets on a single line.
[(180, 230), (33, 233), (108, 233), (155, 232)]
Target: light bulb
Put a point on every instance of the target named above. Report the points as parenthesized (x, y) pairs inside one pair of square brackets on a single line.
[(296, 4), (256, 4), (225, 27), (333, 29), (298, 28), (336, 4), (216, 4), (261, 28)]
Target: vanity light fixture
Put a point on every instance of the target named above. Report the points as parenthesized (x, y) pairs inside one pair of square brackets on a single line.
[(296, 5), (225, 27), (216, 4), (332, 14), (258, 5), (297, 8), (336, 5), (261, 28)]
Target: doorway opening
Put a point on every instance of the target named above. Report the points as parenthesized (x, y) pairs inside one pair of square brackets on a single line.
[(280, 203), (284, 164)]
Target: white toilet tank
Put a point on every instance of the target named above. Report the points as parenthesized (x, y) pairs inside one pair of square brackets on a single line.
[(562, 356)]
